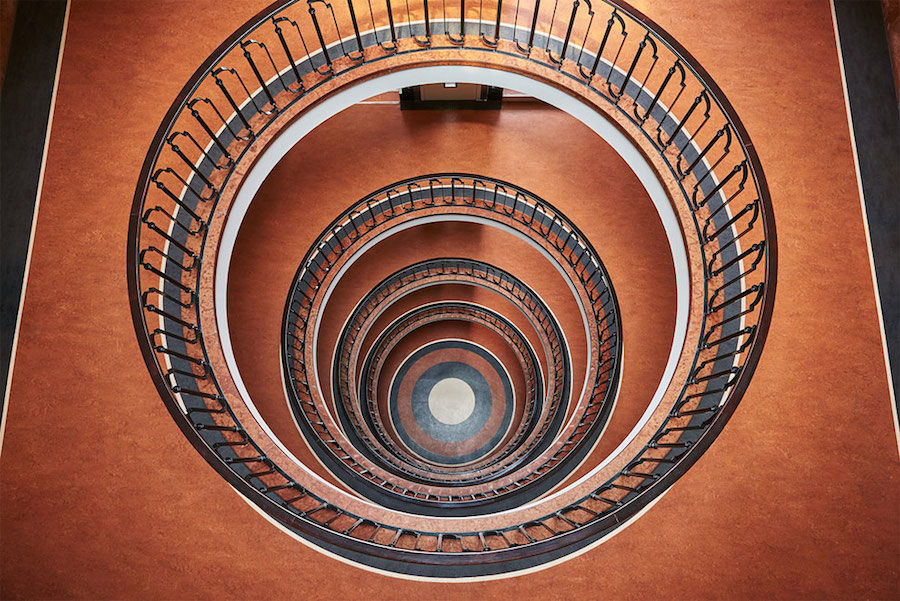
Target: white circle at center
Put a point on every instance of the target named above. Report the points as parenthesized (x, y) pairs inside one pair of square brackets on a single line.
[(451, 401)]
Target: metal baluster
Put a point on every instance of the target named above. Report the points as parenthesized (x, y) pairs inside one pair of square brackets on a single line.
[(287, 51), (461, 40), (613, 18), (494, 41), (327, 68), (527, 49)]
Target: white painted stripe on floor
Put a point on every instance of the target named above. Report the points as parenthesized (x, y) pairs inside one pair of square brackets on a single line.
[(865, 220), (37, 204)]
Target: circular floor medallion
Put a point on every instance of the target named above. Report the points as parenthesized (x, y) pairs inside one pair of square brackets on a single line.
[(451, 402)]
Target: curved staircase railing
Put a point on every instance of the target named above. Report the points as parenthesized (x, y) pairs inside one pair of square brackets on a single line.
[(448, 194), (474, 272), (524, 463), (459, 312), (289, 50)]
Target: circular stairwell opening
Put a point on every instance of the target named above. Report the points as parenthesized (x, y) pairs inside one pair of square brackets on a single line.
[(450, 346)]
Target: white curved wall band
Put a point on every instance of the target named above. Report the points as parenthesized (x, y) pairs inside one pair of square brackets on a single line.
[(405, 315), (384, 307), (486, 350), (321, 111), (468, 219)]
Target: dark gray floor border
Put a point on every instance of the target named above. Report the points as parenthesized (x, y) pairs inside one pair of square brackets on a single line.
[(875, 120), (25, 109)]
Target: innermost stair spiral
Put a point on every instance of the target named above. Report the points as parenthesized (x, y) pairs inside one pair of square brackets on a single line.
[(451, 402)]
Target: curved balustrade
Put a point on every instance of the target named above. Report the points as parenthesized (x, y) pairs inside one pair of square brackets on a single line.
[(453, 271), (387, 342), (591, 416), (292, 51), (447, 195)]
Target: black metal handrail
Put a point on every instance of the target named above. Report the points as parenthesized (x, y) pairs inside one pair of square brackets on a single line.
[(626, 60), (447, 194), (428, 314), (594, 412), (411, 278)]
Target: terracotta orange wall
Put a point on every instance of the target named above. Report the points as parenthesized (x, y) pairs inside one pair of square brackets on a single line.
[(102, 497)]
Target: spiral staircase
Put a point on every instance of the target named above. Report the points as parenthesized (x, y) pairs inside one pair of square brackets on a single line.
[(460, 398), (365, 352)]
